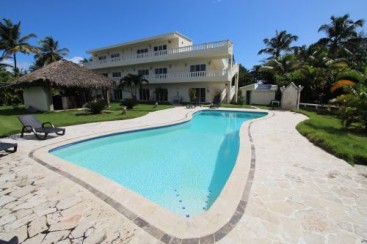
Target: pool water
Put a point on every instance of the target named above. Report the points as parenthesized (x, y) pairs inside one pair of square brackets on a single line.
[(183, 167)]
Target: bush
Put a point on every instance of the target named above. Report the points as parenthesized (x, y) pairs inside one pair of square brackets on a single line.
[(129, 103), (96, 107)]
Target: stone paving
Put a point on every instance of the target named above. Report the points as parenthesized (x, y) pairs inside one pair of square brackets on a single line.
[(300, 194)]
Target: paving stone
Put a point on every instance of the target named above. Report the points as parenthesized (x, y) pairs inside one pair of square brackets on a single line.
[(22, 191), (68, 202), (7, 219), (55, 236), (66, 224), (37, 226), (23, 212), (7, 177), (81, 229), (95, 237), (6, 199), (20, 222), (20, 233), (53, 218), (35, 240)]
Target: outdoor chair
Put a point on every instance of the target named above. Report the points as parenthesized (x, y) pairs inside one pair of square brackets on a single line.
[(32, 124), (216, 102), (4, 146)]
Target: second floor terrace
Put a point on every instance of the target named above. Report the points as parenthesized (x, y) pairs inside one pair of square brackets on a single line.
[(220, 49), (195, 76)]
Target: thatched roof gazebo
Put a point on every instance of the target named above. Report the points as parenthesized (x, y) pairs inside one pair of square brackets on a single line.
[(76, 84)]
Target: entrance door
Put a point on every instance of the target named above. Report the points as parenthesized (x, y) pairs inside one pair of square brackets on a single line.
[(200, 94), (248, 97)]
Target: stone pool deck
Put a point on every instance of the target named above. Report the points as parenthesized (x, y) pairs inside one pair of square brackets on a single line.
[(299, 193)]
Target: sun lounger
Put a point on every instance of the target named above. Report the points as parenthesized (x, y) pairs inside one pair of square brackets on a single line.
[(216, 102), (4, 146), (32, 124)]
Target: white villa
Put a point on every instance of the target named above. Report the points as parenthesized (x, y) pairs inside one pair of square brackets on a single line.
[(172, 64)]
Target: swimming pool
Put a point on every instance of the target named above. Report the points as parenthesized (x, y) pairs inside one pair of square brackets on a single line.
[(183, 168)]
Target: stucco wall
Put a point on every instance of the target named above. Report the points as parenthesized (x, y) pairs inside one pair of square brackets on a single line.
[(289, 97), (38, 98), (262, 97)]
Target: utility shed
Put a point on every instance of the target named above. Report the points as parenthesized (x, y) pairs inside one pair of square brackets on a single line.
[(259, 93), (75, 85), (290, 96)]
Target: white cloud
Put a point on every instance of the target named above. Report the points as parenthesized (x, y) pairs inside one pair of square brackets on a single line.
[(20, 65), (75, 59)]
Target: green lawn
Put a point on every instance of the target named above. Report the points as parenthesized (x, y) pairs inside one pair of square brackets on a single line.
[(10, 125), (327, 132)]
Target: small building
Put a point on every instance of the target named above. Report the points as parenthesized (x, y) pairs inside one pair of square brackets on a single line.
[(62, 85), (259, 93), (290, 96)]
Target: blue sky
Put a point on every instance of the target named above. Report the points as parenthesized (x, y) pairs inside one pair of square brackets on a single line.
[(81, 25)]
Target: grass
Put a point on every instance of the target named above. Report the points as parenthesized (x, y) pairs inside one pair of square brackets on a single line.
[(10, 124), (326, 131)]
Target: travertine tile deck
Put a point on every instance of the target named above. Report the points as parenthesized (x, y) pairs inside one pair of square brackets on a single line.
[(299, 194)]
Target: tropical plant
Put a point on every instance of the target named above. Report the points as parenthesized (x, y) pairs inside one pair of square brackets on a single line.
[(131, 82), (192, 94), (96, 107), (49, 52), (353, 105), (11, 41), (278, 44), (342, 37)]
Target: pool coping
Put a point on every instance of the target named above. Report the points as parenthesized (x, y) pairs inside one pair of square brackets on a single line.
[(165, 226)]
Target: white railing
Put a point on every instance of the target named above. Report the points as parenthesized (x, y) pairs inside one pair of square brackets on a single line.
[(186, 75), (179, 50)]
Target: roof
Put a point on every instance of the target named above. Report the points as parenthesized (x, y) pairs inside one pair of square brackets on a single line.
[(148, 39), (260, 87), (64, 73)]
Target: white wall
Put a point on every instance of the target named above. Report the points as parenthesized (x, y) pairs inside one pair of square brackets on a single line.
[(38, 97), (262, 97)]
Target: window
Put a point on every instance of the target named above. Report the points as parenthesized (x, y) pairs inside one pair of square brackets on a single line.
[(198, 70), (116, 74), (117, 94), (200, 94), (159, 50), (161, 94), (160, 73), (143, 72), (144, 94), (115, 55), (142, 52), (102, 57), (105, 74)]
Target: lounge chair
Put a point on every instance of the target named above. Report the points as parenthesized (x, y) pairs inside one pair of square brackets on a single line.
[(192, 104), (6, 146), (32, 124), (216, 102)]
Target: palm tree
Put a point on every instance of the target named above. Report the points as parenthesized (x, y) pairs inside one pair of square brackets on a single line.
[(342, 36), (276, 45), (11, 41), (49, 52), (131, 82)]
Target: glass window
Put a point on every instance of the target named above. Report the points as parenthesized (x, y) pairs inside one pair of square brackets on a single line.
[(144, 94)]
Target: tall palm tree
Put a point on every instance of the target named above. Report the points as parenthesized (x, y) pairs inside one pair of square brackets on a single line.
[(342, 36), (278, 44), (11, 41), (49, 52), (131, 82)]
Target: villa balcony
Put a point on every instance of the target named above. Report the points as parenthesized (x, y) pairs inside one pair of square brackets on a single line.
[(219, 49), (183, 77)]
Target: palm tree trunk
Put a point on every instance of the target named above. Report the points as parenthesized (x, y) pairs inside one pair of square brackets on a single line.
[(15, 61)]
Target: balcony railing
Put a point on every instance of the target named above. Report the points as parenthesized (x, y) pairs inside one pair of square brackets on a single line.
[(151, 56), (222, 75)]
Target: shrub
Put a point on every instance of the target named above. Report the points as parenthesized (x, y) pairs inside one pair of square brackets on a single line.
[(129, 103), (96, 107)]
